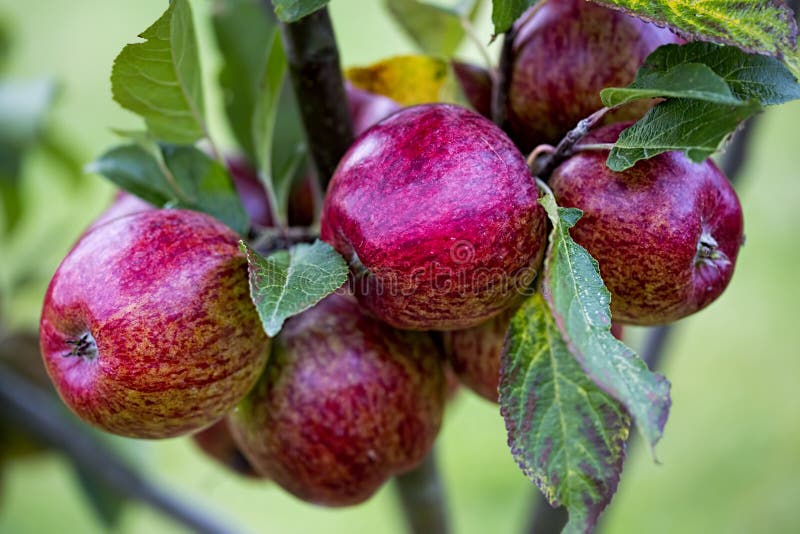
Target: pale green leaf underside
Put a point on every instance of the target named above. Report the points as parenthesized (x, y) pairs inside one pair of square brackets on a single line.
[(580, 304), (761, 26), (174, 176), (244, 32), (711, 88), (689, 80), (294, 10), (437, 30), (265, 110), (748, 76), (160, 79), (694, 127), (289, 282), (565, 433)]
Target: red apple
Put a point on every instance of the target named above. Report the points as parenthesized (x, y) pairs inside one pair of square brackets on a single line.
[(217, 442), (147, 328), (251, 191), (563, 56), (346, 402), (476, 84), (437, 213), (666, 232), (367, 108), (474, 354)]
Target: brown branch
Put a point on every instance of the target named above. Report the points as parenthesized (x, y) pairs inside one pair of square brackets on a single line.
[(316, 75), (423, 498), (41, 415), (503, 81)]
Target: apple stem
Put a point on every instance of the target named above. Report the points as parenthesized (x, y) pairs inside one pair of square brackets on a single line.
[(316, 74), (536, 153), (272, 239), (423, 498)]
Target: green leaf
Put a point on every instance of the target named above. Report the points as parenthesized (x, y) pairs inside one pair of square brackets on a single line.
[(294, 10), (5, 43), (437, 30), (244, 32), (24, 108), (264, 115), (687, 80), (161, 79), (289, 282), (712, 89), (760, 26), (695, 127), (505, 12), (289, 149), (580, 304), (174, 176), (749, 76), (565, 433)]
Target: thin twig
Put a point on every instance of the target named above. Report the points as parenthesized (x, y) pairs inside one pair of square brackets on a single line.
[(503, 81), (272, 239), (316, 75), (545, 165), (39, 414), (423, 498)]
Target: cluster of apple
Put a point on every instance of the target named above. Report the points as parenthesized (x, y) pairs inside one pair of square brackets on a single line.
[(148, 329)]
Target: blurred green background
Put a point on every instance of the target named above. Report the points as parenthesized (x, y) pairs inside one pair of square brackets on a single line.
[(730, 456)]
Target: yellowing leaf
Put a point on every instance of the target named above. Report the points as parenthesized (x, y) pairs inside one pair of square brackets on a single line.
[(408, 80)]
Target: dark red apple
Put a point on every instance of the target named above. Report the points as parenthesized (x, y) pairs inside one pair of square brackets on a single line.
[(217, 442), (437, 213), (367, 108), (563, 56), (666, 232), (474, 354), (251, 191), (476, 84), (148, 329), (346, 402)]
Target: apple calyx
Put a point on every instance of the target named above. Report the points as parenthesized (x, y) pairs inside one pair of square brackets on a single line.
[(83, 347), (708, 251)]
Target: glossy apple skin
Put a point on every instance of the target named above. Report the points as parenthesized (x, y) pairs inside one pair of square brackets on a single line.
[(147, 328), (563, 56), (345, 402), (436, 211), (217, 442), (646, 227)]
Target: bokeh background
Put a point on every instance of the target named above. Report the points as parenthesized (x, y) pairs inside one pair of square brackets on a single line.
[(730, 456)]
